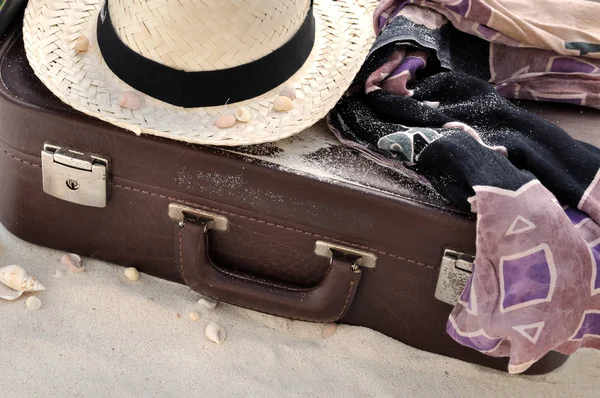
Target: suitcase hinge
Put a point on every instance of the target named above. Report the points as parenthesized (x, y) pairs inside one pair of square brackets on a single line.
[(455, 271), (74, 176)]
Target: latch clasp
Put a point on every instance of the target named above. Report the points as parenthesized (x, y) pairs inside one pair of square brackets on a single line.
[(74, 176), (455, 270), (363, 258)]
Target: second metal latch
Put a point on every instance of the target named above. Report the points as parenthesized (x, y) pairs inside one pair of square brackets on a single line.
[(455, 271)]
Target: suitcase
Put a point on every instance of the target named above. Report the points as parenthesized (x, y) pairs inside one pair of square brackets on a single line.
[(303, 228)]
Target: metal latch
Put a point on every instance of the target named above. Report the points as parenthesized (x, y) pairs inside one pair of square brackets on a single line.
[(178, 213), (74, 176), (363, 258), (455, 271)]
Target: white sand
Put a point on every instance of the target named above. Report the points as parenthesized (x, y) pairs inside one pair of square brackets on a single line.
[(99, 335)]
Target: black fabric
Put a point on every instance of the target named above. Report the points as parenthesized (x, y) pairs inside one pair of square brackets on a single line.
[(11, 12), (449, 48), (457, 162), (583, 47), (435, 40), (562, 164), (404, 110), (210, 88)]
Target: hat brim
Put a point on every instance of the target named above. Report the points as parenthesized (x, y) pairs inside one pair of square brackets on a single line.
[(344, 35)]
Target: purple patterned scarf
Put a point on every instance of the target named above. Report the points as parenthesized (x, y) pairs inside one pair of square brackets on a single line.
[(557, 70)]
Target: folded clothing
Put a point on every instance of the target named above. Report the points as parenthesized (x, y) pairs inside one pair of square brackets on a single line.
[(530, 51), (567, 27)]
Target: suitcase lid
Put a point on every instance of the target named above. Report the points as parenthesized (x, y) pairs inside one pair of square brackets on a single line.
[(314, 153)]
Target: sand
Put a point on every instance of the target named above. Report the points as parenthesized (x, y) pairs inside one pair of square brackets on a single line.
[(98, 334)]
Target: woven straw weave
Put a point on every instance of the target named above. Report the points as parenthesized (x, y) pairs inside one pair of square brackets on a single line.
[(82, 80), (196, 35)]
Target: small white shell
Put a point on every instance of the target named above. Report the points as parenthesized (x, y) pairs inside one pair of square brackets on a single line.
[(33, 303), (243, 114), (132, 274), (431, 104), (215, 333), (289, 92), (82, 44), (283, 104), (72, 262), (225, 121), (208, 303), (130, 100), (329, 330), (15, 277), (194, 316)]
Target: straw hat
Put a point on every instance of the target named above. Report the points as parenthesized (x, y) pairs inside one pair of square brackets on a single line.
[(171, 68)]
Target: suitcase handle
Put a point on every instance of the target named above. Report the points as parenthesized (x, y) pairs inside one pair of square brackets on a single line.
[(327, 302)]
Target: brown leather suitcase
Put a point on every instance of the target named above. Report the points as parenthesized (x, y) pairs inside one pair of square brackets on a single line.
[(303, 228)]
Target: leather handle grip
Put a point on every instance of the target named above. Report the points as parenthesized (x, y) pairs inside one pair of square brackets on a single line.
[(327, 302)]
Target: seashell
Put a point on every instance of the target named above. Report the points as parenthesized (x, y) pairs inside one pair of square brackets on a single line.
[(289, 92), (208, 303), (243, 114), (72, 262), (283, 104), (15, 277), (177, 316), (132, 274), (33, 303), (431, 104), (194, 316), (82, 44), (225, 121), (329, 330), (6, 293), (215, 333), (130, 100)]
